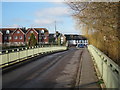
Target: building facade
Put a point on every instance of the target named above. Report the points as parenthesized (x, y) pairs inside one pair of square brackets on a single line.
[(29, 32), (74, 39), (43, 35), (20, 36), (17, 37), (7, 35)]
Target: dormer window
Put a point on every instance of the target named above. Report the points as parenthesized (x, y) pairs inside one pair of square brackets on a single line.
[(18, 32), (42, 31), (8, 32), (31, 31)]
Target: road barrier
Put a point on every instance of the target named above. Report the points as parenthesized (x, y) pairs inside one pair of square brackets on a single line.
[(16, 55), (109, 70)]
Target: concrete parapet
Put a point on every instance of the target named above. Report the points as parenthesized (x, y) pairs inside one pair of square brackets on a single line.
[(10, 57), (109, 70)]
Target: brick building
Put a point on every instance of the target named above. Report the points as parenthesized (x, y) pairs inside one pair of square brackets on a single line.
[(29, 32), (20, 36), (7, 35), (43, 35)]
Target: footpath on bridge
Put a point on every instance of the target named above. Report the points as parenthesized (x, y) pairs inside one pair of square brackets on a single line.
[(88, 76)]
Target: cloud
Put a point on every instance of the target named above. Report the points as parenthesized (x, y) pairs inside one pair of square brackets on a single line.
[(48, 16), (53, 11), (43, 21), (14, 25)]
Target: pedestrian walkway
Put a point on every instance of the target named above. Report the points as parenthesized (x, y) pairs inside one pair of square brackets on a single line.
[(88, 78)]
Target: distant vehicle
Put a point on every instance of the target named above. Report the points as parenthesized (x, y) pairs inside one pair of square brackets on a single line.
[(80, 45)]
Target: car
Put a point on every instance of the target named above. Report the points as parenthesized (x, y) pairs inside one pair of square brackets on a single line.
[(80, 45)]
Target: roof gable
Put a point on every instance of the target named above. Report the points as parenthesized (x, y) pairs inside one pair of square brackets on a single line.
[(19, 30), (28, 30)]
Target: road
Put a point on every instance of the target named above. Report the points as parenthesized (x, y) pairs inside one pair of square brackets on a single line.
[(58, 70)]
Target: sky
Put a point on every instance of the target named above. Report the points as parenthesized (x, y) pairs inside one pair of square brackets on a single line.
[(39, 14)]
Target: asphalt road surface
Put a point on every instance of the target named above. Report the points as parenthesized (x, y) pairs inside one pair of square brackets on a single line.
[(57, 70)]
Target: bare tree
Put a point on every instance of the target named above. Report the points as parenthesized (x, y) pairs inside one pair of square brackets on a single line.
[(100, 24)]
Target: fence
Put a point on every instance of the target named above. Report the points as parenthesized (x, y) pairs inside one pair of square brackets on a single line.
[(18, 54), (109, 71)]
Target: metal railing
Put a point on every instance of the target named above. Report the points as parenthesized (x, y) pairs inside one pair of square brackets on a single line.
[(18, 54), (109, 70)]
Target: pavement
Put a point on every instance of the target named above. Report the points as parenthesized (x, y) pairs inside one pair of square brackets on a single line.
[(58, 70), (88, 78)]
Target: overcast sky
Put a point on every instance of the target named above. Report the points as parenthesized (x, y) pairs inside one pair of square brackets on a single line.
[(38, 14)]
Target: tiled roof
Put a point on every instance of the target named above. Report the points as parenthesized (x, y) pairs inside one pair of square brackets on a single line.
[(24, 30), (39, 29), (3, 30), (74, 37), (51, 35), (8, 28)]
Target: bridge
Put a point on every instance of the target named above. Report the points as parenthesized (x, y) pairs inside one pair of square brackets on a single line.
[(58, 67)]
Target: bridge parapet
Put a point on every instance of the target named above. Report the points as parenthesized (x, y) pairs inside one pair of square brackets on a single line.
[(109, 70), (11, 56)]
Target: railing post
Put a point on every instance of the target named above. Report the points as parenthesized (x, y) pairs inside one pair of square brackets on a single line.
[(26, 52), (18, 54), (7, 56), (33, 51), (1, 58)]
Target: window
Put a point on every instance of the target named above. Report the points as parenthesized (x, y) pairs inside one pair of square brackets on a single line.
[(40, 37), (21, 37), (15, 37), (42, 31), (10, 38), (82, 41), (31, 31), (45, 37), (6, 38), (28, 37), (18, 31), (8, 31)]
